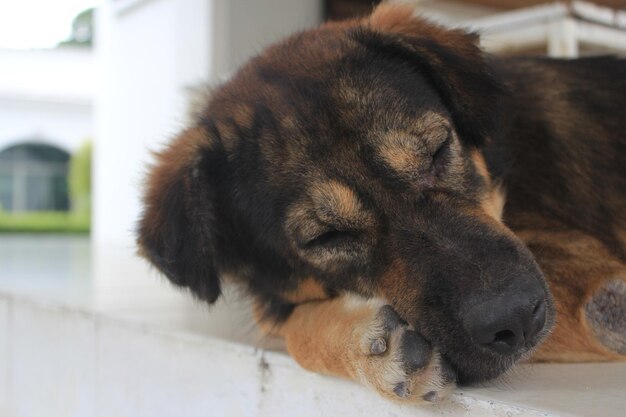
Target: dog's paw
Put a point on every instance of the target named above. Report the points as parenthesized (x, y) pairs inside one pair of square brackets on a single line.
[(606, 315), (399, 363)]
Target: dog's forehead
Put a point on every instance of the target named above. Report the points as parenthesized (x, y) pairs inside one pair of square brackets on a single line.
[(341, 99), (310, 104), (326, 69)]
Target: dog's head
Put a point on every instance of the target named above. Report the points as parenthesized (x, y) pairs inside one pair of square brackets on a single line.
[(348, 159)]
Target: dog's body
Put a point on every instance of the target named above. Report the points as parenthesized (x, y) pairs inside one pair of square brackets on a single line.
[(561, 160), (352, 179)]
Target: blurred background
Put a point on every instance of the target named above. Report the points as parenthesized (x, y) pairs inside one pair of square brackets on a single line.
[(89, 87)]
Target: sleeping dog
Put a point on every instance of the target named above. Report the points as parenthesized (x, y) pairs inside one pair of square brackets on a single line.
[(405, 210)]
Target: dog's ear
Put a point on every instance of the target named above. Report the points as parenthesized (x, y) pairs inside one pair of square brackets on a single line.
[(450, 59), (177, 229)]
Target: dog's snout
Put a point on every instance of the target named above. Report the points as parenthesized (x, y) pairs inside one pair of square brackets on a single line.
[(507, 323)]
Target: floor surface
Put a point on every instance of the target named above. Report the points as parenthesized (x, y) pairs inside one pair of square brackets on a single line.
[(89, 333)]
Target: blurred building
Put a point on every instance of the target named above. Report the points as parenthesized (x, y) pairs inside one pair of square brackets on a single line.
[(46, 113)]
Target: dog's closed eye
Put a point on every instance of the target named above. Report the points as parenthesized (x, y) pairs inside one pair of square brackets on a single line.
[(330, 238)]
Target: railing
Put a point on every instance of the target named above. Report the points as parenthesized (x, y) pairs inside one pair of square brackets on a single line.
[(562, 27)]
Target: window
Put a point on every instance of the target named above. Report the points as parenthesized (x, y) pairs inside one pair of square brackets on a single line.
[(33, 177)]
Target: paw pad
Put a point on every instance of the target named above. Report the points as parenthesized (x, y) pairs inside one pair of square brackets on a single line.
[(400, 363), (378, 346)]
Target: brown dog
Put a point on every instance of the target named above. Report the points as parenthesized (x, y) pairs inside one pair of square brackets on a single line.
[(351, 178)]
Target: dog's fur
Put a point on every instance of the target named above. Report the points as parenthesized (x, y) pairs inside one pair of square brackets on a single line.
[(352, 179)]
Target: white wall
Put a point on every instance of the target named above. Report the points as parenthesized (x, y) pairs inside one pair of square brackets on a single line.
[(243, 27), (55, 75), (65, 125), (149, 55), (46, 94)]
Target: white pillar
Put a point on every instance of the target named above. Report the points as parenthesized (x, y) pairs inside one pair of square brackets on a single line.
[(149, 55), (563, 39)]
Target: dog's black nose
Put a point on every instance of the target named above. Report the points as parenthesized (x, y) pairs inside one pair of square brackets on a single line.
[(507, 322)]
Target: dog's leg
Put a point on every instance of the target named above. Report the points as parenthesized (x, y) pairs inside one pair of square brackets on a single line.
[(589, 287), (367, 341), (605, 313)]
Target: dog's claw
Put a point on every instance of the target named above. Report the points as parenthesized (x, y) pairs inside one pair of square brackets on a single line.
[(431, 396), (378, 346), (402, 390)]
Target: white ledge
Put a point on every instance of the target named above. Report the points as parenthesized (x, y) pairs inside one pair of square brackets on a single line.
[(75, 343)]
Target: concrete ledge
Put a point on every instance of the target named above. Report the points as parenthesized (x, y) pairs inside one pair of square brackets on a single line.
[(60, 361), (105, 337)]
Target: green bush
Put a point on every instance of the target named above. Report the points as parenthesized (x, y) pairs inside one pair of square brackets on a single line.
[(79, 180), (43, 222)]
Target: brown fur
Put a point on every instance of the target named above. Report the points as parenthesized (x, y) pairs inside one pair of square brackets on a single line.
[(397, 290), (576, 266), (401, 19), (494, 198), (335, 200), (308, 290)]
